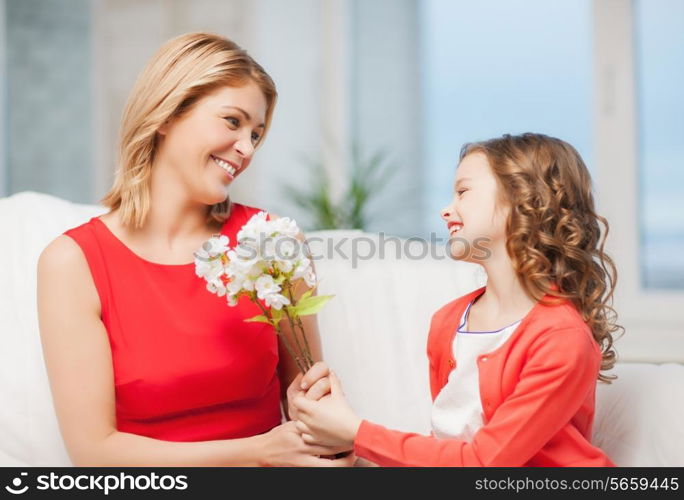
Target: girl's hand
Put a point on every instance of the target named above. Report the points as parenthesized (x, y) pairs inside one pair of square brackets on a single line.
[(283, 446), (313, 385), (316, 382), (329, 421)]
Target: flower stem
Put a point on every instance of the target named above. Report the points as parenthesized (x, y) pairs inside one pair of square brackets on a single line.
[(306, 342), (302, 369), (293, 303), (307, 349), (286, 342), (293, 328)]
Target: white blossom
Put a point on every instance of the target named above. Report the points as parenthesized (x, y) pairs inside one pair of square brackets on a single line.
[(304, 270), (267, 249), (255, 228), (210, 269), (217, 287), (276, 300), (286, 227), (265, 285), (287, 248), (214, 246), (285, 265)]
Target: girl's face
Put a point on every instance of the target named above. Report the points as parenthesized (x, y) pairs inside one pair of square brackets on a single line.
[(209, 146), (475, 221)]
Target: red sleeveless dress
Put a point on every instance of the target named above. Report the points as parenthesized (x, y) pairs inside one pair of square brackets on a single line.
[(186, 365)]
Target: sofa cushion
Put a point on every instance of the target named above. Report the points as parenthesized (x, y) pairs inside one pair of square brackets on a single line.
[(373, 333), (28, 427), (637, 415)]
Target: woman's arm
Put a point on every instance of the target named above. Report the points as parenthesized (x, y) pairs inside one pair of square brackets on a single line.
[(79, 365), (288, 371), (290, 376)]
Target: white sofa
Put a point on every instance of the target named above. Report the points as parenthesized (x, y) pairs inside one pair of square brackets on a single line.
[(373, 332)]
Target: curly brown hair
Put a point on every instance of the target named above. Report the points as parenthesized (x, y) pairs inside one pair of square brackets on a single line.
[(553, 234)]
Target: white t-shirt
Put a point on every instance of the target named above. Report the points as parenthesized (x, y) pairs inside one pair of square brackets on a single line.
[(457, 409)]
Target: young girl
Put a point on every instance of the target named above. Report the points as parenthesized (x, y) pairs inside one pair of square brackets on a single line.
[(513, 365)]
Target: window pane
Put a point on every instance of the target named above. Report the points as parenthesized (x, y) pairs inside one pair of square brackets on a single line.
[(659, 26), (48, 97), (492, 67)]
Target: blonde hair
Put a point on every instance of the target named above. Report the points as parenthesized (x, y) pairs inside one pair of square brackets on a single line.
[(184, 70), (553, 233)]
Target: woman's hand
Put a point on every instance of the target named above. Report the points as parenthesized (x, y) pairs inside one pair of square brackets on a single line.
[(330, 421), (284, 447), (362, 462)]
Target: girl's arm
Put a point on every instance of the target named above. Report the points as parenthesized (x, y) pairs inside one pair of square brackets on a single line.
[(79, 364), (561, 370)]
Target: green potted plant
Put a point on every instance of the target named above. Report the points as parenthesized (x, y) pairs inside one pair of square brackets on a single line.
[(368, 176)]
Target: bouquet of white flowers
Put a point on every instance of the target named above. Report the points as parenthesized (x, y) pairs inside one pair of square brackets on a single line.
[(266, 265)]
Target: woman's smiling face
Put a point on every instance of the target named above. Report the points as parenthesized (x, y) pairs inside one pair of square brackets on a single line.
[(474, 218), (210, 145)]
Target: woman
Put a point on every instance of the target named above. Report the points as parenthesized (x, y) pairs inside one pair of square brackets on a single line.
[(147, 368)]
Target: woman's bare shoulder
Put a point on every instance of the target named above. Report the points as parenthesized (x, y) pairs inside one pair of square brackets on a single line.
[(62, 251), (63, 264)]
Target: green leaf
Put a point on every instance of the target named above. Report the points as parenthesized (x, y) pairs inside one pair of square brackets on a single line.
[(258, 319), (310, 305), (306, 295)]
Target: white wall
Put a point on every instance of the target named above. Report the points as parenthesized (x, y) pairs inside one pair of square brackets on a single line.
[(126, 33), (339, 79), (291, 55), (286, 38)]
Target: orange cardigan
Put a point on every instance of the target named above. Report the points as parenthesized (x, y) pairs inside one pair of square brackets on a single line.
[(537, 392)]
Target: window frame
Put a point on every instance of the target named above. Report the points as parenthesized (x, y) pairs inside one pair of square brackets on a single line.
[(653, 319), (4, 189)]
